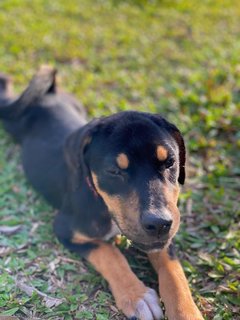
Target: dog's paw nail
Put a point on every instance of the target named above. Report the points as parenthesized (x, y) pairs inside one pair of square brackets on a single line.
[(147, 307), (152, 300)]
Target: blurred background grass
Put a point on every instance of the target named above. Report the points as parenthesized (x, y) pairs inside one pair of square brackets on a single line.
[(177, 58)]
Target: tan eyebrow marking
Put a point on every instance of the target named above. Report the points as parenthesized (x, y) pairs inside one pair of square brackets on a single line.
[(161, 153), (122, 161)]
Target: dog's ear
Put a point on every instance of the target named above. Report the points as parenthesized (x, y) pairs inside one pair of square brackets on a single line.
[(75, 147), (176, 134)]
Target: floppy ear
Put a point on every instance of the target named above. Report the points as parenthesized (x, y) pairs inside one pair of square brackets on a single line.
[(176, 134), (74, 150)]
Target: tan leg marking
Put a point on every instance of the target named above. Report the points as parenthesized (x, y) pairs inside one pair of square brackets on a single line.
[(80, 238), (122, 161), (162, 153), (173, 287), (131, 295)]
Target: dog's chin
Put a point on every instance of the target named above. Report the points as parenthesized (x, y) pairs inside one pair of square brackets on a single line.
[(148, 247)]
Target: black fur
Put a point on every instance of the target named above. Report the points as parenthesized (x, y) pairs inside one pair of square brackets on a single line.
[(58, 156), (172, 252)]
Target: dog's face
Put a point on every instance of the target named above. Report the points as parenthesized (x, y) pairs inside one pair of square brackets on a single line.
[(135, 161)]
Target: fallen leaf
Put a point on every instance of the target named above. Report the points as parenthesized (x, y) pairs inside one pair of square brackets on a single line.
[(29, 290), (53, 302), (8, 318), (6, 230), (4, 251)]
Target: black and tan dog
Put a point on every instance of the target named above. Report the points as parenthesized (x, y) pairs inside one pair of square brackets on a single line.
[(118, 174)]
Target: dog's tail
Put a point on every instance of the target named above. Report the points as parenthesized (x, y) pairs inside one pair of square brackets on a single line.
[(42, 83)]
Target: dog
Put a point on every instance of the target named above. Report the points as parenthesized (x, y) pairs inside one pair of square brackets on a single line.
[(113, 175)]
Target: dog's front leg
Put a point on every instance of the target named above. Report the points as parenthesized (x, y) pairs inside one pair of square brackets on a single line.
[(132, 297), (173, 287)]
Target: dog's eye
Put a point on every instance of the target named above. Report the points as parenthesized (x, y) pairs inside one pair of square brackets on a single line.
[(169, 163), (114, 172)]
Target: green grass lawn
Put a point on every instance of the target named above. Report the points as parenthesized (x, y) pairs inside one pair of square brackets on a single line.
[(178, 58)]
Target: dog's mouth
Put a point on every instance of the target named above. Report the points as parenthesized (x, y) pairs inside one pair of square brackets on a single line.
[(146, 247), (151, 246)]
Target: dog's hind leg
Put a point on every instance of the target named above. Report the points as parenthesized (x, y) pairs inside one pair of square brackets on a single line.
[(173, 286), (14, 111), (5, 89), (43, 82)]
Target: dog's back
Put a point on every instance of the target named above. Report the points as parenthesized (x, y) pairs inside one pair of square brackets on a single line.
[(41, 119)]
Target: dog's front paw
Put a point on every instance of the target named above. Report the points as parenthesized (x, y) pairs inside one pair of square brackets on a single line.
[(141, 306)]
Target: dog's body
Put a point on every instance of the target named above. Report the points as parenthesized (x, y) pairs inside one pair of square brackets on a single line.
[(113, 175)]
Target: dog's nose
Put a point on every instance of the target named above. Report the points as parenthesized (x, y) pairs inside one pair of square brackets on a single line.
[(154, 225)]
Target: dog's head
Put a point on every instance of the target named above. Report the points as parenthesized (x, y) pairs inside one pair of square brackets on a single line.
[(134, 162)]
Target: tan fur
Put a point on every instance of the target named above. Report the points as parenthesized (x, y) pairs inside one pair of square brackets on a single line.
[(87, 140), (125, 286), (80, 238), (125, 211), (161, 153), (171, 193), (122, 161), (173, 287)]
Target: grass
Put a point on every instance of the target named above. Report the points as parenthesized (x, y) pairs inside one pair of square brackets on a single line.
[(179, 58)]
